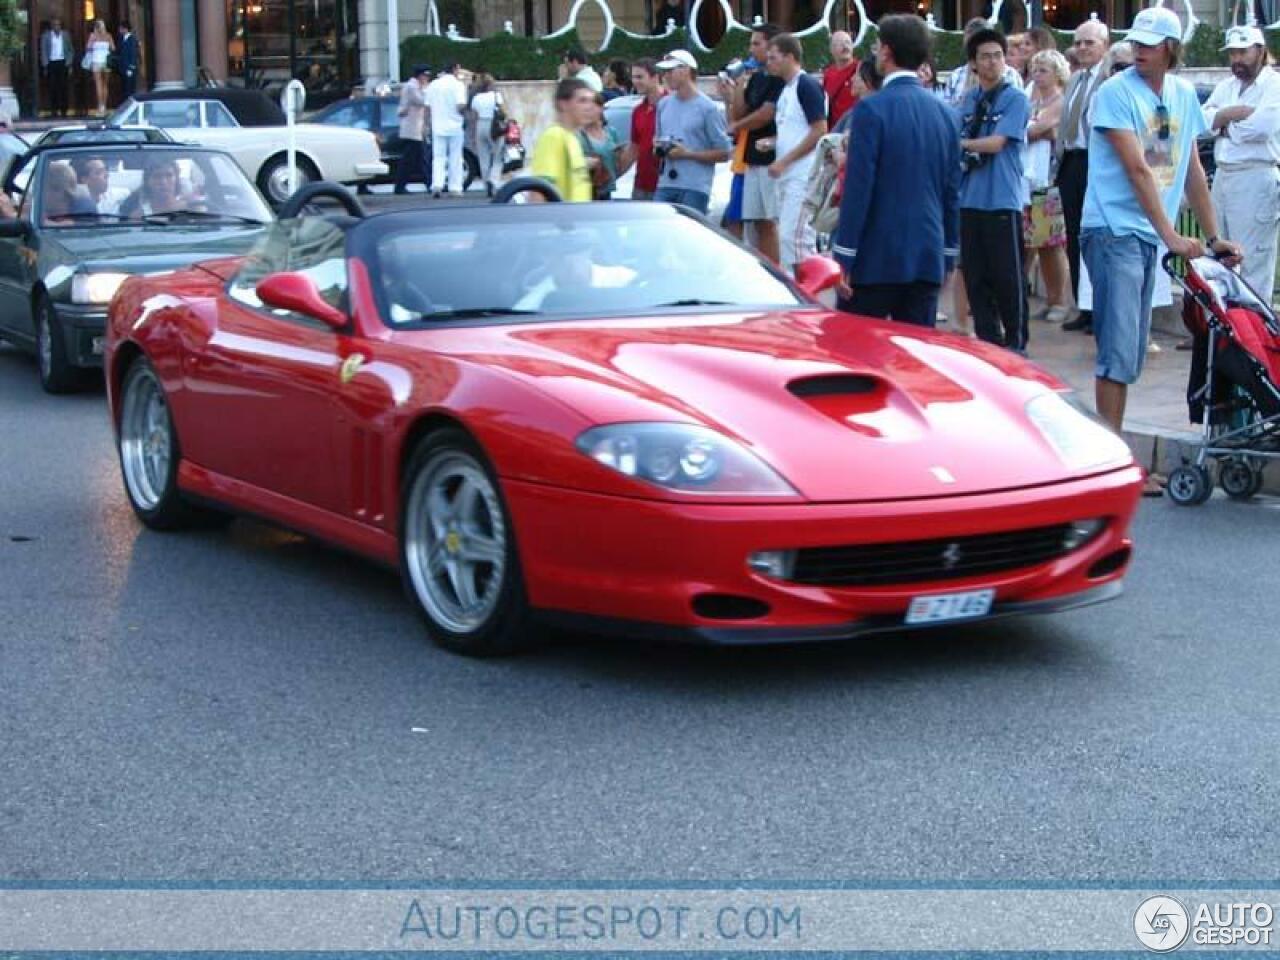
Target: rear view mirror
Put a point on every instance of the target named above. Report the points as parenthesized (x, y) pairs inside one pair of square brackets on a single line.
[(817, 273), (298, 293), (15, 229)]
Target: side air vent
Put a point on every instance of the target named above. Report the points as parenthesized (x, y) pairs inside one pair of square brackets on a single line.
[(836, 385)]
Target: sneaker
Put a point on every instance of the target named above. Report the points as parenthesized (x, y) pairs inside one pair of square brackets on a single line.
[(1055, 315), (1153, 347)]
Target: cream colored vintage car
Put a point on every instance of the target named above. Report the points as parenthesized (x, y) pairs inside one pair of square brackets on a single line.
[(251, 127)]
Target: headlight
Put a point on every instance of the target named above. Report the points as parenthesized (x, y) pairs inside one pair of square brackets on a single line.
[(682, 457), (95, 287), (1081, 442)]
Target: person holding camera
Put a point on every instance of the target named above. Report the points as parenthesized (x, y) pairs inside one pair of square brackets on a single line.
[(691, 136), (993, 126)]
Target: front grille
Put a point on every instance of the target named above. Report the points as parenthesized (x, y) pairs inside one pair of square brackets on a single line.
[(917, 561)]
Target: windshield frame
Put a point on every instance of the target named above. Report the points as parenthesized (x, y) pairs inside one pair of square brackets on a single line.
[(38, 161), (369, 234)]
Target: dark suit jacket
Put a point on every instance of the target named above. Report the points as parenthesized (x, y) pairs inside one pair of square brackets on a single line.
[(127, 54), (900, 213)]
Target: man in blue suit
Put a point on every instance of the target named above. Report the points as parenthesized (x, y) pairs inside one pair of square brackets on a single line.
[(127, 58), (899, 231)]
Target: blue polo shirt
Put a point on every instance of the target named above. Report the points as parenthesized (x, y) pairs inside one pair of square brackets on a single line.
[(997, 184), (1126, 102)]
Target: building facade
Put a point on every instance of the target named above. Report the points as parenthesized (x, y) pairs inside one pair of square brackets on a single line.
[(333, 46)]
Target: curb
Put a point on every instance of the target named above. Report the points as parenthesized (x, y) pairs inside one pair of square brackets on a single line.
[(1161, 451)]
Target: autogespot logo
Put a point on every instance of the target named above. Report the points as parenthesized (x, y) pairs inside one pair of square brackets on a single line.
[(1161, 923)]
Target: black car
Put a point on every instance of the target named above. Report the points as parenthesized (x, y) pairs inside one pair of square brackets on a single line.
[(378, 114)]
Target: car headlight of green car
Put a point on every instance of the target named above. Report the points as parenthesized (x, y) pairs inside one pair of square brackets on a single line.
[(95, 287)]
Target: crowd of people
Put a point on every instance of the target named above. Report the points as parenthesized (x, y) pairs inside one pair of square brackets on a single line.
[(103, 55), (1078, 162)]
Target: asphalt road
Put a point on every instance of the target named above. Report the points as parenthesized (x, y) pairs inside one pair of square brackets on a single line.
[(249, 706)]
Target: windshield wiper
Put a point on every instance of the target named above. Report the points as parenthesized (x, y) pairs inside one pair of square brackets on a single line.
[(695, 302), (87, 215), (170, 216), (467, 313)]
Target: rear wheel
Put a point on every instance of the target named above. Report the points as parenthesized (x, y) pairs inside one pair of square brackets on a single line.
[(149, 453), (1189, 485), (1239, 478), (57, 375), (273, 178), (457, 549)]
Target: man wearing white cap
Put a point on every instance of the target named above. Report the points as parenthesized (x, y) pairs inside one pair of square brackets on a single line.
[(691, 136), (1244, 114), (1142, 161)]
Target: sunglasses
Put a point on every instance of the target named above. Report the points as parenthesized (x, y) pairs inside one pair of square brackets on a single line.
[(1163, 113)]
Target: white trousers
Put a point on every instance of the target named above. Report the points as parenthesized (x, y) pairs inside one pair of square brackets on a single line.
[(1247, 202), (796, 237), (489, 153), (446, 148)]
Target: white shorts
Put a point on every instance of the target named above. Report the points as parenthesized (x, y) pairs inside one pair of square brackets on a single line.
[(759, 195), (796, 236)]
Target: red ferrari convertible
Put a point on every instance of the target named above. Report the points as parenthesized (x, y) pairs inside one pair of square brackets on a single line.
[(611, 416)]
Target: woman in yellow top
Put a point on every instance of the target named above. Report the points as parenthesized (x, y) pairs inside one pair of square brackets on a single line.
[(558, 155)]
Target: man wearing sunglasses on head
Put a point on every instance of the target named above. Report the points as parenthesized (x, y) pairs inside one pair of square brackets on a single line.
[(1142, 161)]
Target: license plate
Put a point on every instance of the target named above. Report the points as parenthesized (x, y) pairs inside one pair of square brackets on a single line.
[(943, 607), (96, 346)]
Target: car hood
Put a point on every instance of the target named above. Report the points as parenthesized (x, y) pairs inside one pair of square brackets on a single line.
[(153, 249), (844, 407)]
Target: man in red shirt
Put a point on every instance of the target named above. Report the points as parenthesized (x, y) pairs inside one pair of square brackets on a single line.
[(644, 121), (837, 78)]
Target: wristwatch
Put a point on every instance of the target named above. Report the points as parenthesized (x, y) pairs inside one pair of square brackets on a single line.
[(1208, 244)]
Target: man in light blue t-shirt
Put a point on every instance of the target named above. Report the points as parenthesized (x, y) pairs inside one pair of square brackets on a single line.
[(691, 136), (1142, 161)]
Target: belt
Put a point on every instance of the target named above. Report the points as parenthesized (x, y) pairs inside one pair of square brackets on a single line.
[(1076, 150), (1248, 165)]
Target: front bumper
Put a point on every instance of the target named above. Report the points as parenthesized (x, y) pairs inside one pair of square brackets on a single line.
[(638, 566), (371, 169), (83, 332)]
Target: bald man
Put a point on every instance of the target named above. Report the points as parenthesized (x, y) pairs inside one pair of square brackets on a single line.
[(837, 78)]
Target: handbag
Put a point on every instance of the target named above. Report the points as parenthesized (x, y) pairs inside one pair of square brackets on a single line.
[(498, 123), (86, 62)]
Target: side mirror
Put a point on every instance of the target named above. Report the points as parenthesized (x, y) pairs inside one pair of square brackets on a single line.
[(817, 273), (15, 229), (298, 292)]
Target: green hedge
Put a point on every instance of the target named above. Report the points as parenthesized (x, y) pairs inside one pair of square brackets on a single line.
[(511, 57)]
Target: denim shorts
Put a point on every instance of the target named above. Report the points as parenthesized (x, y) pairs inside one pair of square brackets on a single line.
[(1122, 271), (690, 198)]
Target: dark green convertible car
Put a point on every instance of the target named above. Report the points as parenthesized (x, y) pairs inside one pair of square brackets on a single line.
[(89, 215)]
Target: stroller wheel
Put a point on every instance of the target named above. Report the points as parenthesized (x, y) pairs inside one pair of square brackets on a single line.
[(1189, 486), (1239, 478)]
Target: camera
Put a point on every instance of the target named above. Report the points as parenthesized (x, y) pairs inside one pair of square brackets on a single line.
[(662, 146), (970, 160)]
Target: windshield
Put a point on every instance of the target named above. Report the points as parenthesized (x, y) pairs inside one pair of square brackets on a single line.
[(156, 187), (628, 262)]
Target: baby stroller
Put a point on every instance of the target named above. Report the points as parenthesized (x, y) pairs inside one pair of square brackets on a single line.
[(1234, 387)]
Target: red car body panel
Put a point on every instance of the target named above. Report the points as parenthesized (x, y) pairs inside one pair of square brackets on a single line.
[(310, 428)]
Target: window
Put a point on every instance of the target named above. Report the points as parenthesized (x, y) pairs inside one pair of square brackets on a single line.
[(311, 246), (389, 118), (171, 114), (217, 115)]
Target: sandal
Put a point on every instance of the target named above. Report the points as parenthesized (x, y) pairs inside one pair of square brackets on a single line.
[(1154, 485)]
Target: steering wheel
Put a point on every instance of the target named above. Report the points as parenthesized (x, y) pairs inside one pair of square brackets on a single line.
[(527, 185), (303, 197)]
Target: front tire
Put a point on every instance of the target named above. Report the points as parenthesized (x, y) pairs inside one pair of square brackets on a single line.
[(149, 453), (1189, 485), (57, 375), (457, 549)]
